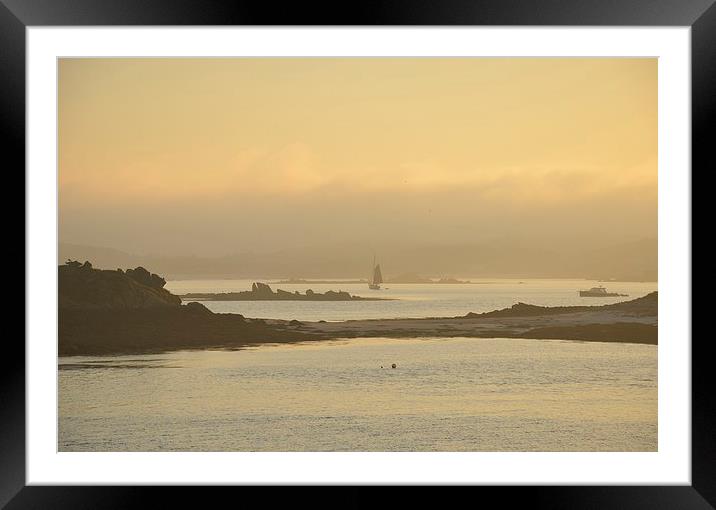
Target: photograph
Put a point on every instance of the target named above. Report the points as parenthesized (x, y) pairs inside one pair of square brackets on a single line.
[(403, 244), (357, 254)]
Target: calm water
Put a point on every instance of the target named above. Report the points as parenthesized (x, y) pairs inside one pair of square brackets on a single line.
[(445, 395), (413, 300)]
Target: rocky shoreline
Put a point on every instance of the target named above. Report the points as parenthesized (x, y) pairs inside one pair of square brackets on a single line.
[(633, 321)]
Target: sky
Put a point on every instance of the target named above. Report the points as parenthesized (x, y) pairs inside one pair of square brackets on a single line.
[(219, 156)]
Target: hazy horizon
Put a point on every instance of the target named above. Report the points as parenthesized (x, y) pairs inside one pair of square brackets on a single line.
[(211, 157), (632, 261)]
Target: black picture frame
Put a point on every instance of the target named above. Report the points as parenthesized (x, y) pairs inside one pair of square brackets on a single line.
[(700, 15)]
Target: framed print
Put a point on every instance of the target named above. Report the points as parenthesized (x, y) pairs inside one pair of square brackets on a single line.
[(415, 250)]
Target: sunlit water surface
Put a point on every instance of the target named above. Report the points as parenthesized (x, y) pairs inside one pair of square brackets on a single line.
[(410, 300), (445, 395)]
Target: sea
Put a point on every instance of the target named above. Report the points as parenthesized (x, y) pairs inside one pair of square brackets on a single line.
[(444, 394), (409, 300)]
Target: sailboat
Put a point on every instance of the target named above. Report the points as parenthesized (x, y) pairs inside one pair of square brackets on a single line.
[(377, 279)]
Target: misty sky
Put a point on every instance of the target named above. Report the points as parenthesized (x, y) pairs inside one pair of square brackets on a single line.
[(213, 156)]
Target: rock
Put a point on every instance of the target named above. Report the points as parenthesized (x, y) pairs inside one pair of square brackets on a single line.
[(144, 277), (198, 308), (81, 286), (261, 289), (157, 281)]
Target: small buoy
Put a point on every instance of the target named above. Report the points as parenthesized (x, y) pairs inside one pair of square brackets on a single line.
[(393, 365)]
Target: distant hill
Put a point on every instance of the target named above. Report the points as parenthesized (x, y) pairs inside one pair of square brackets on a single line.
[(105, 258), (416, 278), (408, 278), (635, 261)]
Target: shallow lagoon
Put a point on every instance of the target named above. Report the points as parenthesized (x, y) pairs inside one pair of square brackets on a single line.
[(445, 395)]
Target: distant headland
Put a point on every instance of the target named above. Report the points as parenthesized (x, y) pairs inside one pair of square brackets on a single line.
[(303, 281), (401, 278), (416, 278)]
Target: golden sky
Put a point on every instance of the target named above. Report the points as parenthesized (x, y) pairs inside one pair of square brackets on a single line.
[(217, 138)]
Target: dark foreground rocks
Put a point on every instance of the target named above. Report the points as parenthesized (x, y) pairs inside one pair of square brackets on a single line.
[(630, 332), (193, 326), (113, 312)]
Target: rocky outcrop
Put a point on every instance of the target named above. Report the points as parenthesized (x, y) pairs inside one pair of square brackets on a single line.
[(109, 312), (141, 275), (80, 286), (263, 292)]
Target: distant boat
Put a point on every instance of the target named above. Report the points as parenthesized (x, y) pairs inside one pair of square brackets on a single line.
[(599, 292), (377, 278)]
